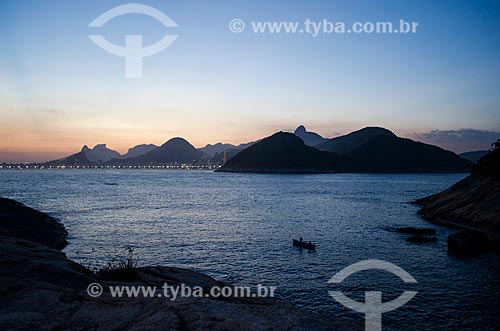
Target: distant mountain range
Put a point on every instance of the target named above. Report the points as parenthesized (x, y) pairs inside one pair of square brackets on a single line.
[(100, 154), (174, 151), (211, 150), (371, 149), (87, 157)]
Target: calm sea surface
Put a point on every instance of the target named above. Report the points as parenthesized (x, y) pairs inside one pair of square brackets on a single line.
[(239, 228)]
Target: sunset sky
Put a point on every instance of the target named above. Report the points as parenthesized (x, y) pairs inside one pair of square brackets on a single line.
[(59, 90)]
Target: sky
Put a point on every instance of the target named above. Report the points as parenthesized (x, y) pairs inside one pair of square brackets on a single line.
[(60, 91)]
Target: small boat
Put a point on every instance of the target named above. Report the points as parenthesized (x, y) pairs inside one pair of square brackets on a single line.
[(303, 244)]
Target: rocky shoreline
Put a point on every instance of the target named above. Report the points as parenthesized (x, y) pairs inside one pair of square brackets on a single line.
[(42, 289), (471, 204)]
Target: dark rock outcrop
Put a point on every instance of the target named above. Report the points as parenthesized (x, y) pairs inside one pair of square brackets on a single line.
[(42, 290), (468, 243), (489, 165), (20, 221), (421, 239), (473, 203)]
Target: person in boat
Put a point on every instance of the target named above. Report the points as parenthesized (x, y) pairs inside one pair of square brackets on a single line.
[(301, 240)]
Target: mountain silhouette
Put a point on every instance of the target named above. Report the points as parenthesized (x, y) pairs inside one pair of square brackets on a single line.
[(86, 157), (211, 150), (309, 138), (391, 154), (138, 150), (281, 153), (371, 150), (77, 159), (100, 153), (350, 142), (174, 151), (220, 152)]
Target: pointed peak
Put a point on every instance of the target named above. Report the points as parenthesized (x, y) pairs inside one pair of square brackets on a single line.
[(300, 129), (85, 148)]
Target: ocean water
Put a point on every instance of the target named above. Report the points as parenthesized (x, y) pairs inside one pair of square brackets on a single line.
[(239, 228)]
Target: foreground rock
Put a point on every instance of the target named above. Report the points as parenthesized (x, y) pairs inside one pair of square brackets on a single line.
[(42, 290), (421, 239), (20, 221), (473, 203), (468, 243)]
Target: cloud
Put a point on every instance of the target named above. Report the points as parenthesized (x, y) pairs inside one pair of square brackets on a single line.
[(460, 141)]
